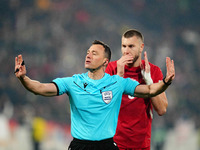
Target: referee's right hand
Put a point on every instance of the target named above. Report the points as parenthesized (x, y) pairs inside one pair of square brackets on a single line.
[(20, 69)]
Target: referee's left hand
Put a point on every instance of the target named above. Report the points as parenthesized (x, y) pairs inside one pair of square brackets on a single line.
[(170, 75)]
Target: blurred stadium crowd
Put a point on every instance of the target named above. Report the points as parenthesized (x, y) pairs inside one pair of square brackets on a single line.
[(53, 36)]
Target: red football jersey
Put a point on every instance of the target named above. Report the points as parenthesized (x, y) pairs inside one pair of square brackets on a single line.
[(135, 116)]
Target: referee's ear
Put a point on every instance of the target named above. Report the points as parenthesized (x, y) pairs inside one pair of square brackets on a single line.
[(106, 62)]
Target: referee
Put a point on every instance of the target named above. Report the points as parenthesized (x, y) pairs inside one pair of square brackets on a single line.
[(94, 96)]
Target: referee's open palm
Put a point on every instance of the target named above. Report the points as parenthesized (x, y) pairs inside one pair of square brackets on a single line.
[(170, 75), (20, 69)]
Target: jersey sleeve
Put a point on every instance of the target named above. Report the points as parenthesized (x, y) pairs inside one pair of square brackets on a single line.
[(62, 84), (130, 86)]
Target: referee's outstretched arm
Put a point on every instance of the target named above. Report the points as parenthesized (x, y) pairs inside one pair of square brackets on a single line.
[(44, 89), (49, 89)]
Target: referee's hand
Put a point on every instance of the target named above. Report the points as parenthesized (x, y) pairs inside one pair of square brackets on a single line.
[(170, 75), (20, 69)]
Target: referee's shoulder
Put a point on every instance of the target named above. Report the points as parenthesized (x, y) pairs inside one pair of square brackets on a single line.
[(114, 77)]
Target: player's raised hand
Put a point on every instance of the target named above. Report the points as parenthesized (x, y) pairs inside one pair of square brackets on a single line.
[(170, 75), (146, 70), (147, 66), (20, 69), (125, 59)]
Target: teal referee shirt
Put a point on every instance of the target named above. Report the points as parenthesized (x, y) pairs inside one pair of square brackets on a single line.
[(94, 104)]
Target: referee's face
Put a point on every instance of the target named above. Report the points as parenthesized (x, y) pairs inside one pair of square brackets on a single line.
[(132, 46), (95, 58)]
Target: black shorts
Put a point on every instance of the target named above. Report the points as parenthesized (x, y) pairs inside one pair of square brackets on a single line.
[(107, 144)]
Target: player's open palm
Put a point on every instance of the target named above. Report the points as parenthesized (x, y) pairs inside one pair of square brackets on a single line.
[(147, 66), (20, 69)]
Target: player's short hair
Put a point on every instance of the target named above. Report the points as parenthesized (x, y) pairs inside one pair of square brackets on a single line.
[(106, 48), (133, 32)]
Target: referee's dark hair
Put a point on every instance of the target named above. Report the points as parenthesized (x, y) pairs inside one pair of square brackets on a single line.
[(133, 32), (106, 47)]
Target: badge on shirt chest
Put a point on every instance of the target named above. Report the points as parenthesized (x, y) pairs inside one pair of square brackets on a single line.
[(107, 96)]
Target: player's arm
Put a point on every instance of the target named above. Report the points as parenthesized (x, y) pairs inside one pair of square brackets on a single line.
[(159, 102), (44, 89), (157, 88)]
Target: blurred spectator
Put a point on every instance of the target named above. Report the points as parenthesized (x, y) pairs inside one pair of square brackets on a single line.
[(6, 111), (38, 132)]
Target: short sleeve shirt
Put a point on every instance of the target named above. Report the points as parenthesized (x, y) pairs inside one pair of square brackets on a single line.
[(94, 104)]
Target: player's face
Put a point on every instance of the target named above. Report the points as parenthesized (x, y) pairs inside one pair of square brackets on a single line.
[(132, 46), (95, 57)]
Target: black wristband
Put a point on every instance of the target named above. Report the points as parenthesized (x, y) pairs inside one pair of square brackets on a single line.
[(166, 83)]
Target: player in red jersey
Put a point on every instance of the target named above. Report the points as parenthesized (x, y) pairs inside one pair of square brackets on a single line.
[(135, 117)]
